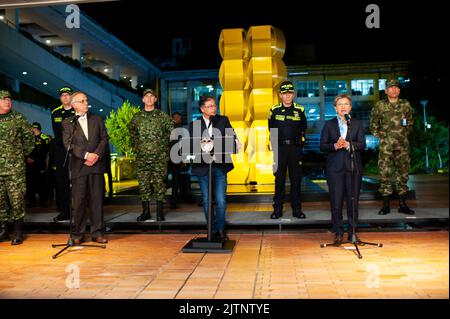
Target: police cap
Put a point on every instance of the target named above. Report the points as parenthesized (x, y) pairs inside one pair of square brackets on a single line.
[(65, 90), (286, 87), (36, 125)]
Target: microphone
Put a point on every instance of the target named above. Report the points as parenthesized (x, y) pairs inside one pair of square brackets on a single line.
[(347, 117), (75, 119)]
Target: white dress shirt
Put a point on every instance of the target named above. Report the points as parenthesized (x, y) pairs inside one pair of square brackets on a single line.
[(84, 125)]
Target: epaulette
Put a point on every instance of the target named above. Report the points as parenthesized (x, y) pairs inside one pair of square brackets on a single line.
[(298, 106)]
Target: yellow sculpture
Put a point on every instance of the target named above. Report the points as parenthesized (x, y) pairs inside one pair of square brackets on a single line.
[(251, 70)]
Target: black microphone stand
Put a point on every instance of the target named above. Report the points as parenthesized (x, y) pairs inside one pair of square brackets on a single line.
[(353, 190), (209, 244), (70, 242)]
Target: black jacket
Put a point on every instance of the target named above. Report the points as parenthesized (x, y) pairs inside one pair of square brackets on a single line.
[(98, 140), (340, 160), (220, 124)]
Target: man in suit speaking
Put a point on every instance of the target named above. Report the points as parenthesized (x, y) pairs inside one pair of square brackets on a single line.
[(89, 141)]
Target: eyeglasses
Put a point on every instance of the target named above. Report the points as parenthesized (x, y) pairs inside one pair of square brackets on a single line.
[(209, 106), (82, 101), (343, 104)]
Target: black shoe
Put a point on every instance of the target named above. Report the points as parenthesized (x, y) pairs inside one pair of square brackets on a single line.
[(222, 234), (353, 238), (386, 206), (404, 209), (17, 236), (3, 232), (100, 239), (159, 211), (338, 239), (298, 213), (61, 217), (78, 240), (277, 213), (145, 212)]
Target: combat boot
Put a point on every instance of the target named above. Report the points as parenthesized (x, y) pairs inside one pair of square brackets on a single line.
[(3, 232), (403, 207), (145, 212), (386, 209), (17, 235), (277, 212), (159, 211)]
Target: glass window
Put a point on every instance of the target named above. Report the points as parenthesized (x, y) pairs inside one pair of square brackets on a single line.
[(178, 94), (371, 141), (312, 112), (308, 89), (333, 88), (362, 87), (330, 112), (382, 84)]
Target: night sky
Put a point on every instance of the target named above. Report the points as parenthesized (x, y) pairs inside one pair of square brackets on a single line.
[(337, 30)]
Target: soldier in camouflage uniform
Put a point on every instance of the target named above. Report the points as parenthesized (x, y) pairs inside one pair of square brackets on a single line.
[(16, 142), (392, 121), (150, 133)]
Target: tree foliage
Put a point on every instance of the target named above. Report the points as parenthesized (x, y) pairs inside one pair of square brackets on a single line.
[(117, 124)]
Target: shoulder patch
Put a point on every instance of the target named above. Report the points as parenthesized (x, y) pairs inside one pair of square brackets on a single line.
[(58, 108)]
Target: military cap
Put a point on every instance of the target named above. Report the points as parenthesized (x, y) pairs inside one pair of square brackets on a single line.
[(4, 94), (65, 90), (36, 125), (392, 82), (151, 91), (286, 87)]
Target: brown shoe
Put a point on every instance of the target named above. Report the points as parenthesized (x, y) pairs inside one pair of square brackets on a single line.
[(100, 240), (78, 240)]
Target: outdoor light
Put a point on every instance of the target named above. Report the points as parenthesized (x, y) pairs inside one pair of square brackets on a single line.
[(24, 72), (312, 110), (45, 83), (89, 106), (105, 70), (428, 126), (101, 110), (48, 41), (2, 17)]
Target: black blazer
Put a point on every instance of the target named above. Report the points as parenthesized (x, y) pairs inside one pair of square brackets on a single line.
[(221, 123), (339, 160), (98, 140)]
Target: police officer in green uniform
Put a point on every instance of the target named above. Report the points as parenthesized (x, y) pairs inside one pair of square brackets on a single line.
[(289, 119), (62, 184), (36, 169), (150, 136), (16, 143), (392, 122)]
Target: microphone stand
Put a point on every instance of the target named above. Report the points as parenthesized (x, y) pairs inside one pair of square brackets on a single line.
[(353, 190), (70, 241), (209, 244)]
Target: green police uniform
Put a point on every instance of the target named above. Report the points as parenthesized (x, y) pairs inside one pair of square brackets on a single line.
[(150, 133), (392, 124), (16, 142)]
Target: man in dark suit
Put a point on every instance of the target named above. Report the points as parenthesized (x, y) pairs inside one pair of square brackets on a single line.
[(86, 166), (334, 140), (213, 126)]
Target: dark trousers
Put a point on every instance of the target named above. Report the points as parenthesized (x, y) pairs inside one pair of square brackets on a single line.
[(88, 192), (340, 186), (36, 183), (289, 157), (62, 183)]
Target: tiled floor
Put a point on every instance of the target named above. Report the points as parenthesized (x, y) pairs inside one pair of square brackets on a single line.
[(263, 265)]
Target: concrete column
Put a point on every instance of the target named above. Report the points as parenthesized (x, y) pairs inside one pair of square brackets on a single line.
[(12, 17), (77, 51), (134, 81), (116, 72)]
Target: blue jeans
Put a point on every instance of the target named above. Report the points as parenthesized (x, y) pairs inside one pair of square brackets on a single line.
[(219, 192)]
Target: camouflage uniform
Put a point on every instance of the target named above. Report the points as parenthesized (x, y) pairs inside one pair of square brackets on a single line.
[(392, 123), (150, 133), (16, 142)]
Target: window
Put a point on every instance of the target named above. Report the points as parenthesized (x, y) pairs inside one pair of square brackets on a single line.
[(362, 87), (333, 88), (382, 84), (307, 89), (178, 93), (312, 112)]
